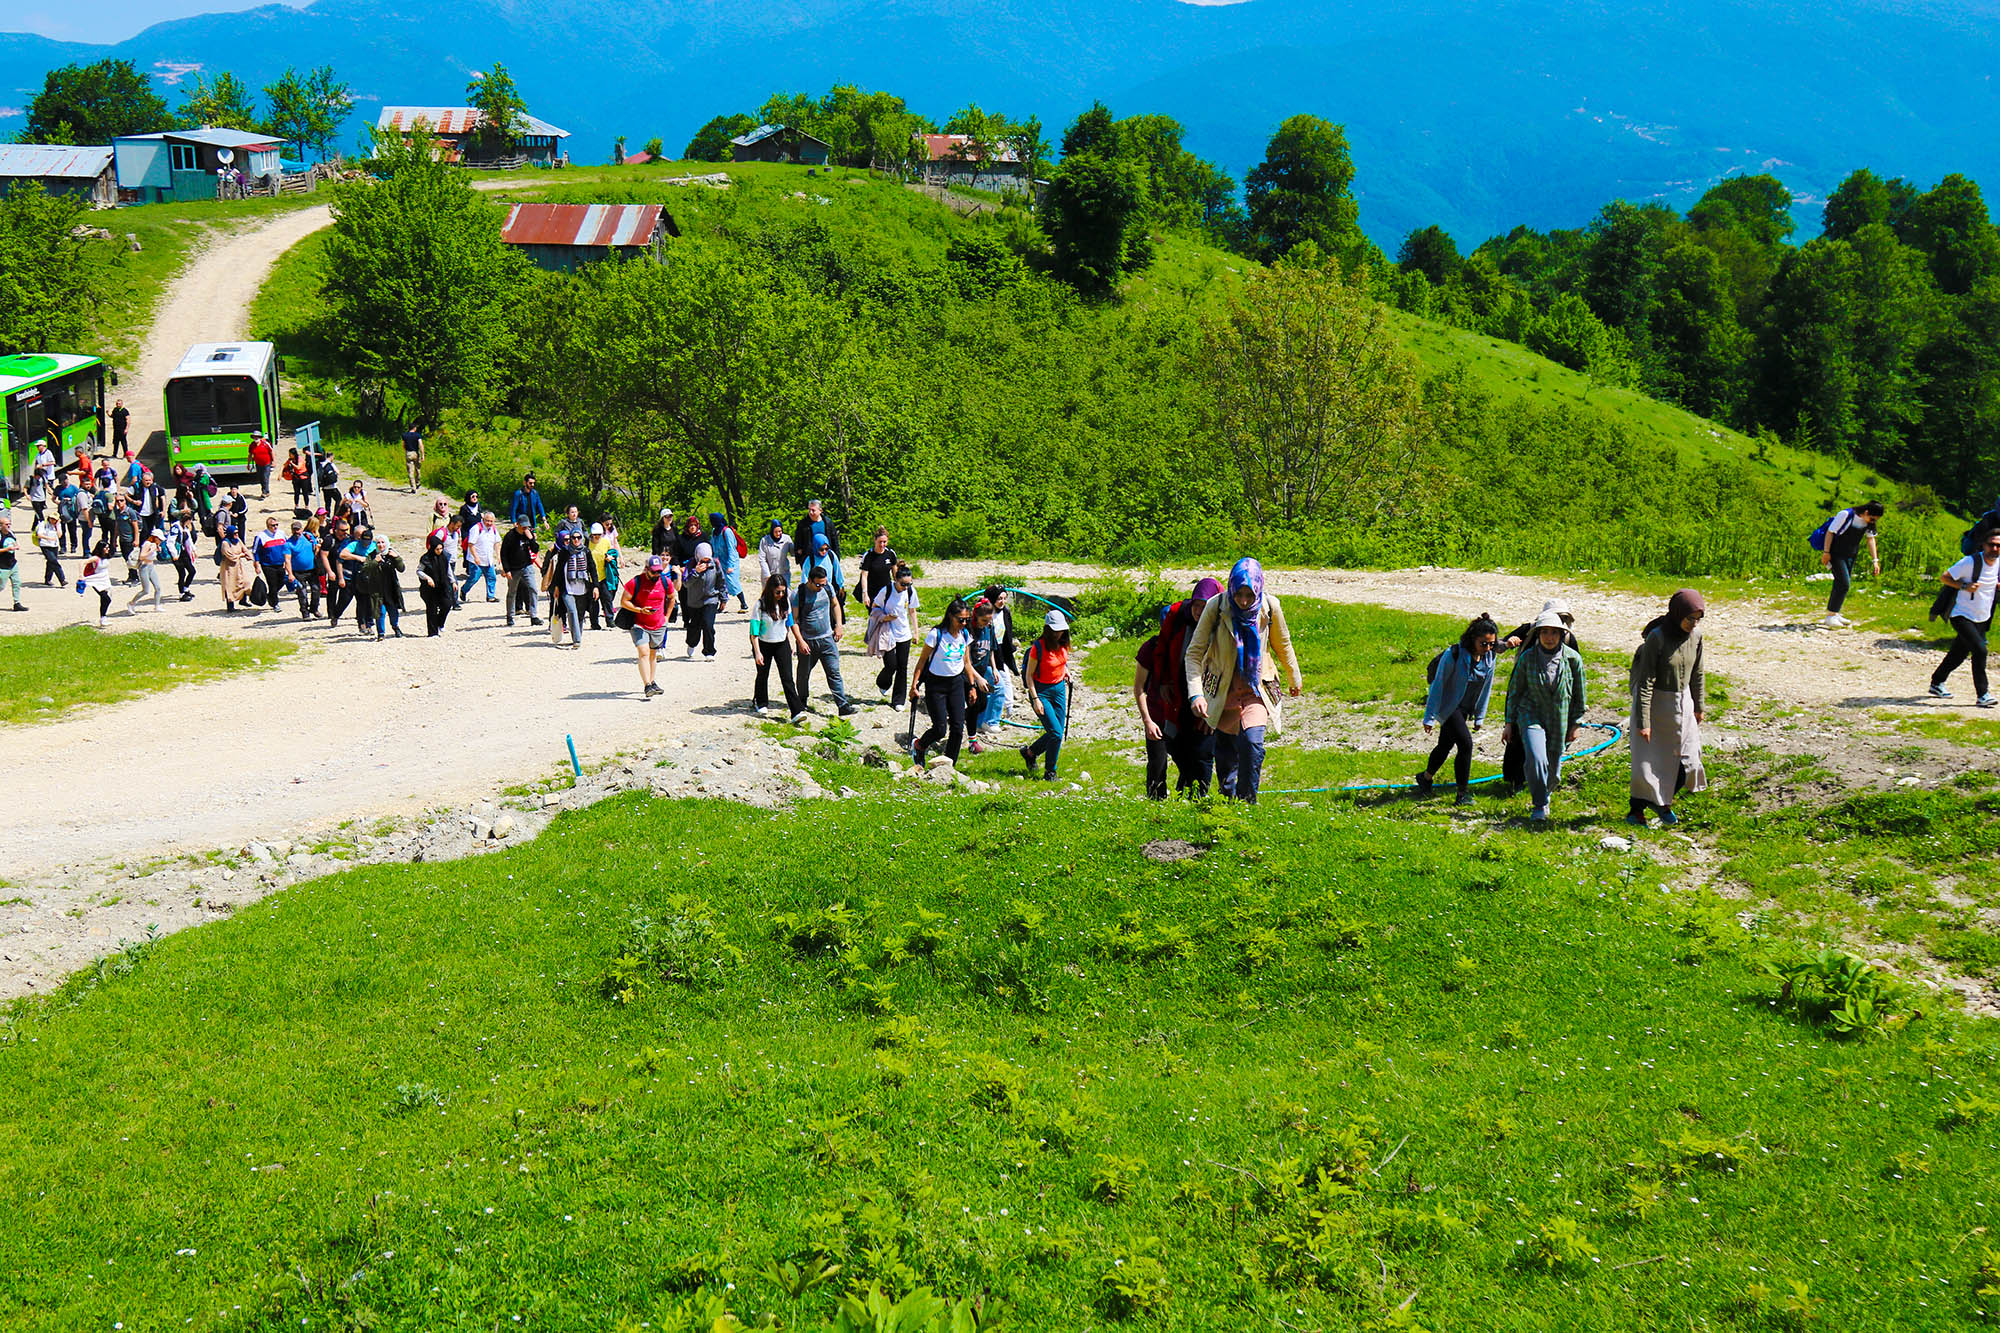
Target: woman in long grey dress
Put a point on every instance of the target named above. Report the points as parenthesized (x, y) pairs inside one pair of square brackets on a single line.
[(1667, 710)]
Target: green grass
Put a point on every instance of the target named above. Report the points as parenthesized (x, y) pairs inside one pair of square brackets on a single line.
[(1337, 1065), (47, 676)]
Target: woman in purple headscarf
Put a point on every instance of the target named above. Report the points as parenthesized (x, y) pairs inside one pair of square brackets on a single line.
[(1231, 666)]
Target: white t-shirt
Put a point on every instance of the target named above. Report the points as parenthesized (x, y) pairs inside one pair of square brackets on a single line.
[(947, 652), (48, 532), (1975, 603), (897, 606), (772, 629), (483, 542)]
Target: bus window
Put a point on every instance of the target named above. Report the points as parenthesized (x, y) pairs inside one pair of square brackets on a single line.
[(236, 403), (85, 386)]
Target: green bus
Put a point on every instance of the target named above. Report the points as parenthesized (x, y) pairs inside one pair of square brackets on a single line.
[(52, 398), (216, 400)]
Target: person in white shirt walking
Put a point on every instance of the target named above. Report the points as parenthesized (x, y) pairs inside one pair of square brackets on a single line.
[(482, 551), (1971, 616), (1844, 534)]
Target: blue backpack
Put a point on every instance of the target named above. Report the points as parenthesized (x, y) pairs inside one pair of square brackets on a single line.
[(1818, 538)]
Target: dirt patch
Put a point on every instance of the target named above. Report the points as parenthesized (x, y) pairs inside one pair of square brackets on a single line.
[(1169, 850)]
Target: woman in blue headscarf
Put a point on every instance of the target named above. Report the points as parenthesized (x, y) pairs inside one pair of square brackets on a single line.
[(1231, 663), (722, 540)]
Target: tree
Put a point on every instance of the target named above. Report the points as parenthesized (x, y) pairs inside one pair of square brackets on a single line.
[(329, 102), (1863, 198), (94, 104), (1095, 216), (224, 103), (308, 110), (1431, 252), (502, 109), (1950, 224), (418, 278), (1314, 395), (1093, 132), (1301, 191), (51, 279), (1031, 150), (711, 141), (1758, 205), (655, 148)]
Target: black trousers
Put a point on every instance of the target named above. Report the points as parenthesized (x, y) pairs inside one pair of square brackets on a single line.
[(1971, 645), (302, 493), (1454, 733), (944, 700), (184, 569), (778, 656), (895, 671), (1192, 753), (437, 606), (700, 622)]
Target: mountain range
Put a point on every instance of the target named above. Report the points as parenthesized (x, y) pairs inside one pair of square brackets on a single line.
[(1476, 116)]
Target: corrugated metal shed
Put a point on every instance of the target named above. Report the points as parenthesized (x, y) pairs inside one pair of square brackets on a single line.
[(457, 120), (586, 226), (57, 161), (758, 135), (214, 138), (947, 147)]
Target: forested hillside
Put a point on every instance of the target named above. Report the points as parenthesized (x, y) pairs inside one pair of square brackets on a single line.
[(839, 334)]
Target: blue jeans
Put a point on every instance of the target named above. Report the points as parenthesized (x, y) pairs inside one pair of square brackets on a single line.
[(1055, 721), (1843, 579), (472, 576), (389, 617), (1239, 763), (1543, 762), (825, 655), (996, 703)]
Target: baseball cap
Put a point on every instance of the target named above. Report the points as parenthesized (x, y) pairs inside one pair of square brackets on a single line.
[(597, 529), (1056, 620), (654, 564)]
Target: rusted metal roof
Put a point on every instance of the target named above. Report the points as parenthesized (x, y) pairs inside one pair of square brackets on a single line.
[(950, 147), (457, 120), (588, 226), (55, 161)]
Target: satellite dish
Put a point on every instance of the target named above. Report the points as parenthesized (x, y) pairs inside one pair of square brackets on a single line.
[(225, 155)]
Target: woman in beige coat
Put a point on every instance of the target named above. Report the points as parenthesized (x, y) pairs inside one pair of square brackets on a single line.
[(1232, 676), (238, 572), (1667, 710)]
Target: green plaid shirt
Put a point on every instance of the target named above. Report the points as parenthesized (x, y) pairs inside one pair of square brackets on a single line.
[(1532, 701)]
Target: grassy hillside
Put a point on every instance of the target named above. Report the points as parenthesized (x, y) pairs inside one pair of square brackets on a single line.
[(1645, 477), (1335, 1071)]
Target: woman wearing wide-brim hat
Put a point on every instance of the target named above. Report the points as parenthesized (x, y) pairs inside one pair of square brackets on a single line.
[(1544, 706)]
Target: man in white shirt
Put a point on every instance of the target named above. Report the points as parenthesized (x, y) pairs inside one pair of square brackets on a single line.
[(1975, 577), (482, 551)]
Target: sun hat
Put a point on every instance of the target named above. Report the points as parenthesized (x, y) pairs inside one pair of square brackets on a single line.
[(1549, 620), (597, 529), (1560, 607), (1056, 620)]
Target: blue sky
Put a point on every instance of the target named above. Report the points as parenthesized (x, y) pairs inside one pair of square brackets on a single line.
[(108, 20)]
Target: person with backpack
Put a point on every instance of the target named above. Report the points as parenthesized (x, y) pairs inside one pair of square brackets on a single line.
[(889, 632), (1838, 541), (1045, 678), (820, 619), (774, 638), (701, 602), (944, 677), (1461, 686), (329, 484), (186, 535), (299, 474), (1973, 578), (985, 670), (1159, 686), (518, 552), (811, 528), (48, 536), (642, 609), (1231, 666), (604, 555), (273, 550), (1664, 730), (1544, 707), (729, 553)]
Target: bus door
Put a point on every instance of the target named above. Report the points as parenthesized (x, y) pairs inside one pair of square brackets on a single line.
[(27, 427)]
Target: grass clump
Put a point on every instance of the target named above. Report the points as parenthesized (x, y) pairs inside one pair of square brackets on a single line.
[(47, 676)]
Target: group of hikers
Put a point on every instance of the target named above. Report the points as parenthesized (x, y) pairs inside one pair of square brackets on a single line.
[(1208, 687)]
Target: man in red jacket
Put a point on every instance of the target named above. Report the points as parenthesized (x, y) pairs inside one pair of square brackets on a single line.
[(260, 458)]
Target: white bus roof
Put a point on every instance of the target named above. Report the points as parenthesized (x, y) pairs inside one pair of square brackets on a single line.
[(64, 363), (225, 359)]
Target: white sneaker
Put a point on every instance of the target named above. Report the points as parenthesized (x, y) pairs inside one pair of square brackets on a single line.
[(1838, 621), (798, 719), (690, 656), (761, 710)]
